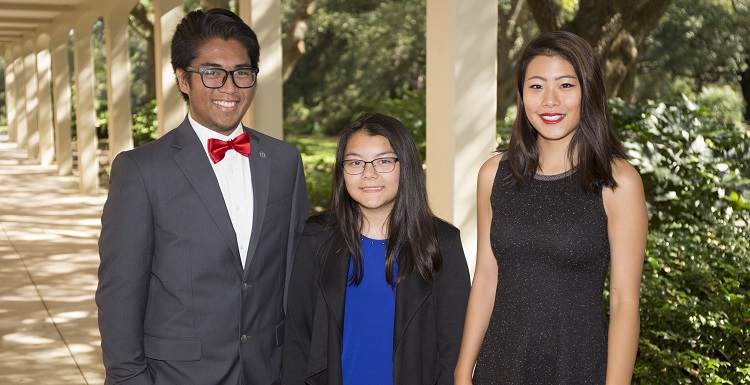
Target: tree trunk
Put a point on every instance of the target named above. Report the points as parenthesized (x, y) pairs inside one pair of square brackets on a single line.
[(741, 10), (151, 68), (745, 86), (623, 26), (547, 13), (615, 28), (145, 28), (510, 33), (293, 41)]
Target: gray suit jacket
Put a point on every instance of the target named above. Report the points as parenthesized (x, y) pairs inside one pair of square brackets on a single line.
[(175, 304)]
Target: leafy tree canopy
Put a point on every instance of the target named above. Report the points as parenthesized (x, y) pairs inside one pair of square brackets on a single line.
[(697, 43), (359, 51)]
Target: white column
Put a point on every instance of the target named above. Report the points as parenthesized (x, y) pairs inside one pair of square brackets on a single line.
[(61, 97), (461, 92), (10, 94), (44, 95), (268, 110), (171, 108), (20, 91), (118, 79), (88, 167), (30, 87), (245, 12)]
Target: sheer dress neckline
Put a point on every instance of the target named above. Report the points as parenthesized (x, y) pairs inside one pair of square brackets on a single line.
[(553, 177)]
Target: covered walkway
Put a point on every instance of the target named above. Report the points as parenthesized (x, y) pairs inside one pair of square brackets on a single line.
[(49, 219), (37, 35), (48, 235)]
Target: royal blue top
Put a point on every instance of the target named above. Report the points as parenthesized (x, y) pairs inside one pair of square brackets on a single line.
[(367, 355)]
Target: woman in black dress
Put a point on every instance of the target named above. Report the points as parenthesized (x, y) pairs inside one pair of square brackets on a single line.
[(555, 212)]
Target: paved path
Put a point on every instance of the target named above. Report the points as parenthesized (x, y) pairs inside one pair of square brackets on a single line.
[(48, 264)]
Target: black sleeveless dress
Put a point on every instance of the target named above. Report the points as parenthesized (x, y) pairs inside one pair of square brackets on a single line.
[(552, 249)]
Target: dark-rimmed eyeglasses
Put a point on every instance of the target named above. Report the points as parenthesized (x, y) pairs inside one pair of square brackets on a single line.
[(380, 165), (216, 77)]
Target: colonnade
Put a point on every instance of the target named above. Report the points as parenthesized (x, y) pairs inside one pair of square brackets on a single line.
[(38, 93), (461, 90)]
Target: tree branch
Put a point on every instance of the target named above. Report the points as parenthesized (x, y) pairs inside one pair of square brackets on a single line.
[(293, 41), (140, 21), (506, 55), (547, 14)]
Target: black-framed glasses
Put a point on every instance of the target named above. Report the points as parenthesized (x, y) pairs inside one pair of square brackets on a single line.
[(216, 77), (380, 165)]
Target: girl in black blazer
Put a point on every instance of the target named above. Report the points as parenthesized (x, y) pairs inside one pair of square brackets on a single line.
[(379, 287)]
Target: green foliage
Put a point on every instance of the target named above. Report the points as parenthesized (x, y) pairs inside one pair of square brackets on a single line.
[(692, 163), (694, 306), (410, 110), (360, 51), (102, 124), (569, 9), (191, 5), (726, 103), (99, 53), (696, 44), (318, 156), (145, 124), (694, 318), (139, 63)]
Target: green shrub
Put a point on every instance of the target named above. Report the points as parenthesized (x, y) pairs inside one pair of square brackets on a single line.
[(102, 124), (726, 104), (410, 110), (694, 306), (145, 124), (318, 156)]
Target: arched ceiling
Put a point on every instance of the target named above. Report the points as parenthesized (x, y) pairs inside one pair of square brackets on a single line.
[(24, 19)]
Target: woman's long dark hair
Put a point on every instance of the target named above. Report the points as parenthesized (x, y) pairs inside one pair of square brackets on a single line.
[(594, 144), (412, 238)]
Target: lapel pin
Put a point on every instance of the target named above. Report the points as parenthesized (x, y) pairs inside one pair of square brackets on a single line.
[(262, 154)]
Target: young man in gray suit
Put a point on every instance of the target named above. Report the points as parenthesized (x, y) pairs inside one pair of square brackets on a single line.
[(199, 229)]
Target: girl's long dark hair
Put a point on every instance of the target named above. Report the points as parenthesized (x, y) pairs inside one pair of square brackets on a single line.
[(412, 239), (594, 144)]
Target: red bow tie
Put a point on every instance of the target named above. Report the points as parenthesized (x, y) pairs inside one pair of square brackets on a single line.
[(217, 148)]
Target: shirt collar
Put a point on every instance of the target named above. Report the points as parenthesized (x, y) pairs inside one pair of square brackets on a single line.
[(204, 133)]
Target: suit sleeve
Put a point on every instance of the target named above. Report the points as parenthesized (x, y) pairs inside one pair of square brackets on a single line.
[(300, 312), (452, 286), (300, 213), (126, 247)]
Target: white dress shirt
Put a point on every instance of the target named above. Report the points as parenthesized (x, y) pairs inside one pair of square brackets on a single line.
[(233, 174)]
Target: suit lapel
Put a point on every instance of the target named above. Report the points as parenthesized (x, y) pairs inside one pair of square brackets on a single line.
[(260, 171), (333, 280), (192, 160), (411, 294), (328, 315)]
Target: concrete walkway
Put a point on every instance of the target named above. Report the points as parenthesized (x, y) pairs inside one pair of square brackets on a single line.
[(48, 266)]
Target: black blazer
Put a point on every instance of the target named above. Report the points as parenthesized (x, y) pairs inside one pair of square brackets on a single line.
[(428, 322)]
